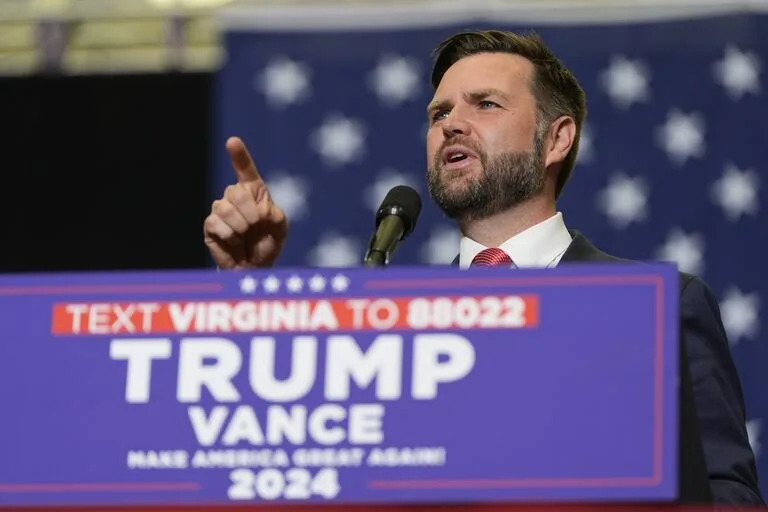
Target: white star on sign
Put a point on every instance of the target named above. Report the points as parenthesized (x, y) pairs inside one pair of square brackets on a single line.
[(682, 136), (284, 82), (395, 79), (289, 193), (625, 81), (738, 72), (294, 284), (334, 250), (340, 283), (685, 250), (624, 200), (736, 192), (586, 152), (441, 247), (271, 284), (754, 432), (386, 179), (740, 314), (317, 283), (247, 285)]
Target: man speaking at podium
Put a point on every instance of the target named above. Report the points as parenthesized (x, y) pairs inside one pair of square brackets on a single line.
[(504, 126)]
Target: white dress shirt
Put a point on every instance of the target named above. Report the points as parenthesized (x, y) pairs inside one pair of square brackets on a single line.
[(541, 245)]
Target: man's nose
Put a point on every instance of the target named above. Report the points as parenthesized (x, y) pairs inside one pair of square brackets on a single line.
[(456, 124)]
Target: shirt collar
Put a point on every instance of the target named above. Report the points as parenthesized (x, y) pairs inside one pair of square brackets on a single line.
[(538, 246)]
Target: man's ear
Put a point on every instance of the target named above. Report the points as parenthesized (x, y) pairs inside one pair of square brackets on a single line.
[(559, 140)]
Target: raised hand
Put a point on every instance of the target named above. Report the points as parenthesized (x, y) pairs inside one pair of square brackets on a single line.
[(245, 227)]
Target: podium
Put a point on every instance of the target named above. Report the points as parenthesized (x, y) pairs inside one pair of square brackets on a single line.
[(341, 389)]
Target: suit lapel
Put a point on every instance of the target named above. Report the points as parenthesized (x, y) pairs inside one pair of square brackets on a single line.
[(581, 249)]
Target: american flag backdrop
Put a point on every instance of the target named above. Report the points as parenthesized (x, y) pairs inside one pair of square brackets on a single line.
[(331, 103)]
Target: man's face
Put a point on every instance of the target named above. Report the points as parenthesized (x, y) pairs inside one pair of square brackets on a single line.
[(483, 149)]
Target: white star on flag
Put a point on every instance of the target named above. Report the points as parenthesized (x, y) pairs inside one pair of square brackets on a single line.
[(682, 136), (738, 72), (740, 314), (754, 432), (290, 193), (624, 200), (441, 247), (586, 152), (317, 283), (395, 79), (385, 180), (687, 250), (335, 250), (339, 140), (625, 81), (247, 285), (284, 82), (340, 283), (736, 192), (271, 284)]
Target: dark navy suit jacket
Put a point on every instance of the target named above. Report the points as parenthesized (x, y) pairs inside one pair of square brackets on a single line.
[(717, 399), (717, 463)]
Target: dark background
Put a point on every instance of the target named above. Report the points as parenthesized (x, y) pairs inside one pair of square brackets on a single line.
[(104, 172)]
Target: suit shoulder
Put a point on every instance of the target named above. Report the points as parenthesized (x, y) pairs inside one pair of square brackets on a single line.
[(687, 279), (693, 287)]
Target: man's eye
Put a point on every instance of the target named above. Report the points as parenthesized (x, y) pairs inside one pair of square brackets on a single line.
[(439, 114), (487, 104)]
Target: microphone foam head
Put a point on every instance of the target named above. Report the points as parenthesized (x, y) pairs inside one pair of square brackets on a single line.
[(404, 202)]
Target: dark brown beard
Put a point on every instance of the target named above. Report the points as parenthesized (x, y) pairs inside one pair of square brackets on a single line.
[(506, 180)]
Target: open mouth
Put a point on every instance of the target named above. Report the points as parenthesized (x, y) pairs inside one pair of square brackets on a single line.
[(454, 157), (457, 158)]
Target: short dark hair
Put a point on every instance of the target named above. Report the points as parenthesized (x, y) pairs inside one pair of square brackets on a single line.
[(555, 88)]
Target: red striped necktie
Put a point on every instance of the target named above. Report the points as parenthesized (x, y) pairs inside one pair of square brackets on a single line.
[(492, 257)]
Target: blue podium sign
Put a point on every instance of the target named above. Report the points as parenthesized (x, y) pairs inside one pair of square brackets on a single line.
[(404, 385)]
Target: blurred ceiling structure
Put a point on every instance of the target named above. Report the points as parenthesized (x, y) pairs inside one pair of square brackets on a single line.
[(108, 36), (117, 36), (147, 36)]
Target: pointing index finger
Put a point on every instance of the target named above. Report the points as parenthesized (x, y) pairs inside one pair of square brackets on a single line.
[(242, 162)]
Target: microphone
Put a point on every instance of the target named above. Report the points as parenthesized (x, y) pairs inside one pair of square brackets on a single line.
[(395, 220)]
